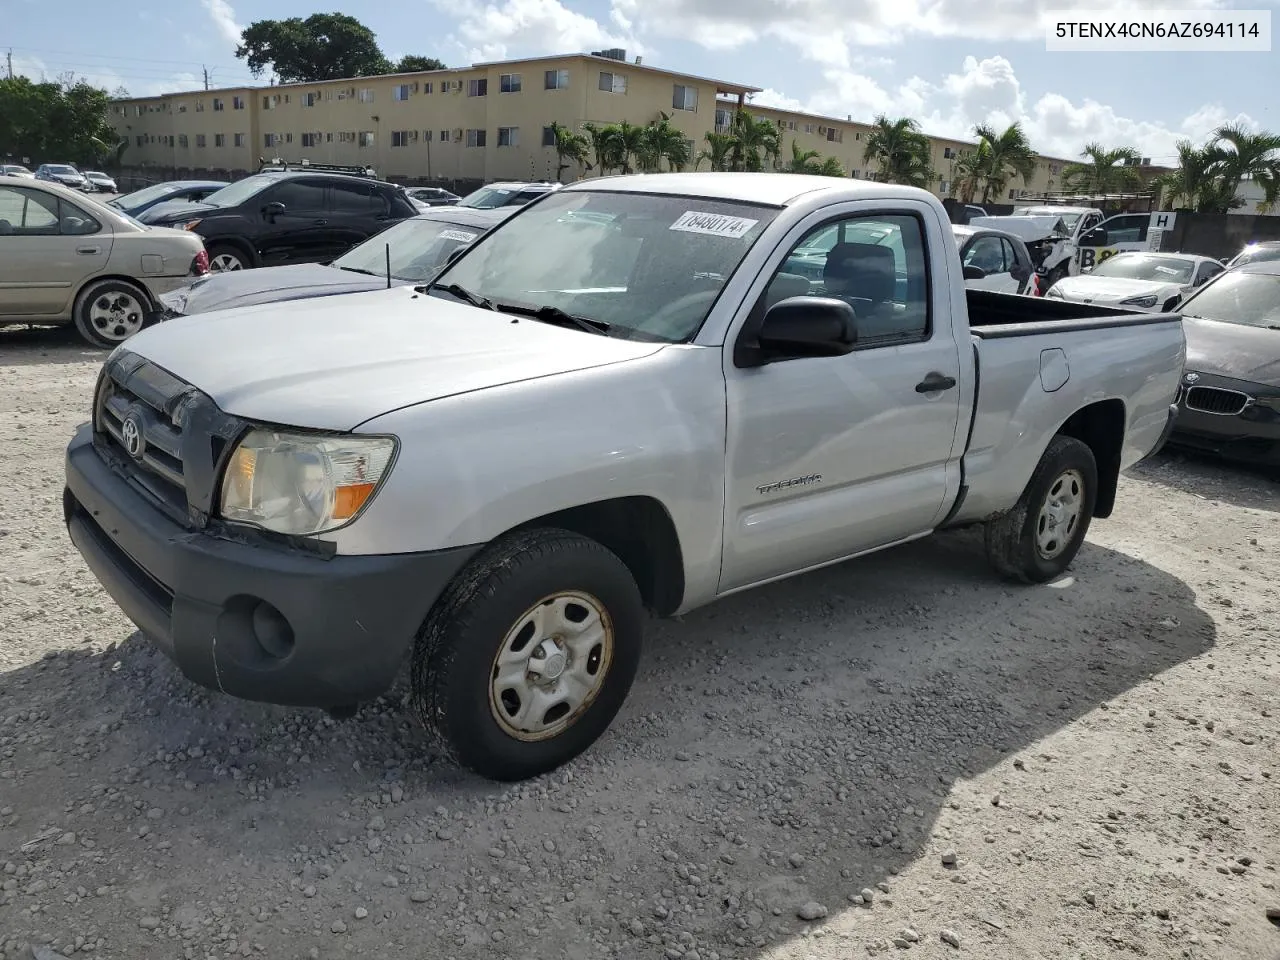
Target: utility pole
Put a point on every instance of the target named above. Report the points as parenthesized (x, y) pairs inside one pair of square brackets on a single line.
[(206, 78), (10, 60)]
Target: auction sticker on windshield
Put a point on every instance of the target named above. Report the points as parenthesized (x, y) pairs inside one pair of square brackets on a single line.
[(459, 235), (714, 224)]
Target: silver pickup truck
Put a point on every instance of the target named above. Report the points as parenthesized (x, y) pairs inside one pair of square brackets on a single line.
[(638, 394)]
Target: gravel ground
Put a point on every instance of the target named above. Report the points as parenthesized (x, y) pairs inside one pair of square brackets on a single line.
[(898, 753)]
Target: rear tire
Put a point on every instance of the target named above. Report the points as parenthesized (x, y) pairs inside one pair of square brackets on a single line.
[(109, 312), (1037, 540), (224, 257), (528, 655)]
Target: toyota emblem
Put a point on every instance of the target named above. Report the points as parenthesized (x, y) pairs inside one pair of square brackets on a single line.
[(131, 434), (1191, 378)]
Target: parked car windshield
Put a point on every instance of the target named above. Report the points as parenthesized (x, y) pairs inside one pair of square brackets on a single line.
[(139, 197), (61, 168), (1257, 253), (1252, 299), (234, 194), (648, 266), (1145, 267), (489, 198), (418, 249)]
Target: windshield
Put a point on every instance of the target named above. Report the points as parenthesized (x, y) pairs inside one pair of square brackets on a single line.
[(487, 198), (145, 195), (1257, 254), (237, 193), (649, 266), (62, 168), (1252, 299), (418, 249), (1141, 267)]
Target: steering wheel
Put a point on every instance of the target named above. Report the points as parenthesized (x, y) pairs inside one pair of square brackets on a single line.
[(675, 319)]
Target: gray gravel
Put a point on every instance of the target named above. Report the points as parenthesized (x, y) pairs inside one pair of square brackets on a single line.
[(809, 770)]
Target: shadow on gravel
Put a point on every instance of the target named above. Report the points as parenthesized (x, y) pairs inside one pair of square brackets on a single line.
[(28, 346), (788, 745), (1212, 479)]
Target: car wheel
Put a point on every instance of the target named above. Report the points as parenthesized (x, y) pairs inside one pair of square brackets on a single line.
[(109, 312), (1037, 540), (223, 258), (528, 655)]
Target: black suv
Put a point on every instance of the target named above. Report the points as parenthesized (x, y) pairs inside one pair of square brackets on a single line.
[(279, 216)]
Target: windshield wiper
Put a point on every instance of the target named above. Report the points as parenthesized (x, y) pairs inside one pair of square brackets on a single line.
[(360, 270), (554, 315), (462, 293)]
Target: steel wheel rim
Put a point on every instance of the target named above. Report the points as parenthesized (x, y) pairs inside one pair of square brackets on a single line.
[(224, 262), (116, 316), (551, 666), (1060, 514)]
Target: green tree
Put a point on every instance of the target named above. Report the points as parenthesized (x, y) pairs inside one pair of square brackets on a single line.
[(756, 143), (416, 64), (1104, 170), (803, 161), (901, 151), (661, 142), (1245, 154), (63, 121), (1003, 155), (324, 46), (605, 146), (831, 167), (719, 146), (570, 148)]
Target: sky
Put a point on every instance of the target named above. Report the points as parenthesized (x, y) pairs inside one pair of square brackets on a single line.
[(950, 64)]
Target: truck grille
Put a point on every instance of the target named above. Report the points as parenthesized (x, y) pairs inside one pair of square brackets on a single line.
[(1226, 403)]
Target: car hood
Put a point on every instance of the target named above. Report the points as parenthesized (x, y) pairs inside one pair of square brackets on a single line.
[(1113, 289), (1233, 350), (333, 363), (243, 288), (175, 210)]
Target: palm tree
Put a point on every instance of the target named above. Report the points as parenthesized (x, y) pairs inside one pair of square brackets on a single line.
[(604, 146), (1005, 154), (720, 145), (1194, 182), (630, 141), (570, 147), (803, 161), (1104, 172), (901, 151), (661, 142), (967, 172), (756, 143), (1255, 156), (830, 167)]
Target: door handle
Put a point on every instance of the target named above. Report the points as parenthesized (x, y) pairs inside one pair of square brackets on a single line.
[(88, 250), (320, 223), (935, 382)]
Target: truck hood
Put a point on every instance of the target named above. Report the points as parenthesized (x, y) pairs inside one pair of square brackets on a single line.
[(333, 363), (1113, 289), (1234, 350), (243, 288)]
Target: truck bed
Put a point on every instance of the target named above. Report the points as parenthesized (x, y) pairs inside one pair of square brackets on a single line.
[(994, 315)]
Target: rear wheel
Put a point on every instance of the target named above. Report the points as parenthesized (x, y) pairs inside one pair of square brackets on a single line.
[(1037, 540), (223, 257), (108, 312), (527, 657)]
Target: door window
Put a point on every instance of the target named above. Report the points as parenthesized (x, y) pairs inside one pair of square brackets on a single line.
[(352, 199), (988, 253), (1132, 229), (298, 196), (875, 264), (30, 213), (1207, 272)]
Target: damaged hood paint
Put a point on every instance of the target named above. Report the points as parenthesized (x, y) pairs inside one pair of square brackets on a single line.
[(1233, 350)]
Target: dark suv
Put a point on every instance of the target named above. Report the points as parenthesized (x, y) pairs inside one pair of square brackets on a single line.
[(290, 216)]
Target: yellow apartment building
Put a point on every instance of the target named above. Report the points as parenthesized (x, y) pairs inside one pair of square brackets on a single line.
[(489, 121)]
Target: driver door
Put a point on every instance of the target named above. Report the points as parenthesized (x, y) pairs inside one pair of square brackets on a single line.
[(300, 234)]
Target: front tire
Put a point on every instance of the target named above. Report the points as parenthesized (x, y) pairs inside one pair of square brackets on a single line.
[(224, 257), (1037, 540), (527, 657), (108, 312)]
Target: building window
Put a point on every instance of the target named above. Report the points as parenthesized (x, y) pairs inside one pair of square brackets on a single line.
[(510, 83), (476, 138), (201, 142), (365, 95), (310, 139), (724, 120), (141, 140), (478, 88), (613, 82), (219, 139), (347, 136), (182, 108), (684, 98), (810, 128), (548, 136), (555, 80), (309, 99), (269, 139), (237, 103), (328, 138), (400, 91), (444, 136), (366, 138), (400, 138), (182, 141), (948, 153), (240, 139), (426, 136), (834, 135), (218, 105), (508, 136), (268, 103), (944, 186), (428, 87)]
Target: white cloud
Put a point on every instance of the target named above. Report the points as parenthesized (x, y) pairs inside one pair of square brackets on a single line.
[(516, 27), (224, 18)]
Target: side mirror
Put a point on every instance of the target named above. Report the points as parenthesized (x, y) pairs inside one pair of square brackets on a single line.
[(974, 273), (273, 210), (1097, 237), (809, 326)]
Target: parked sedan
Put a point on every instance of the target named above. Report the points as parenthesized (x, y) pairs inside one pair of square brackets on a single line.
[(1254, 252), (16, 170), (432, 196), (98, 182), (993, 259), (148, 203), (66, 258), (416, 248), (1139, 281), (62, 173), (1230, 398)]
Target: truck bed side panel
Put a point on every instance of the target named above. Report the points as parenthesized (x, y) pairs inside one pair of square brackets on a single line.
[(1019, 411)]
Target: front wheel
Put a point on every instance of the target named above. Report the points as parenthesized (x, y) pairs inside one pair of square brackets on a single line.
[(108, 312), (527, 657), (1037, 540), (223, 258)]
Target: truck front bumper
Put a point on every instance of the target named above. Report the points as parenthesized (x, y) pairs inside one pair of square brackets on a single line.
[(256, 621)]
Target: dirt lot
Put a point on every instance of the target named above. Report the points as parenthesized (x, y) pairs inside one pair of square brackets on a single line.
[(1080, 770)]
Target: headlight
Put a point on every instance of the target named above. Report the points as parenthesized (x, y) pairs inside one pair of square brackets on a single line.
[(1147, 301), (1054, 292), (302, 484)]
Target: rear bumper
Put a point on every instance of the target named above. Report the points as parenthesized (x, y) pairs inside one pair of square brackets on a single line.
[(256, 621)]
